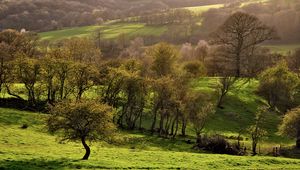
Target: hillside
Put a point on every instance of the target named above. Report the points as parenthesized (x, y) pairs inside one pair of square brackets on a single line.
[(33, 148), (46, 15), (205, 19), (238, 113)]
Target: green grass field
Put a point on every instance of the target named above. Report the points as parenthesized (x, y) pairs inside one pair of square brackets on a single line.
[(201, 9), (108, 31), (253, 2), (33, 149)]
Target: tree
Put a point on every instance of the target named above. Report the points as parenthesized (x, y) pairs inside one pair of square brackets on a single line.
[(164, 57), (84, 76), (12, 44), (134, 90), (199, 112), (237, 40), (81, 120), (290, 125), (28, 71), (279, 87), (224, 85), (82, 50), (240, 34), (201, 50), (257, 129), (49, 77)]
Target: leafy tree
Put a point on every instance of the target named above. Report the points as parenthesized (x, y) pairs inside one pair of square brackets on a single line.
[(199, 112), (83, 78), (28, 71), (81, 120), (279, 86), (257, 130), (12, 44), (164, 57), (194, 69), (134, 90), (163, 91), (112, 80), (290, 125), (49, 77), (224, 85), (82, 50)]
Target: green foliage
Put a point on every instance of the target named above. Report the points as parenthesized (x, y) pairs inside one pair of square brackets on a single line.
[(278, 85), (164, 58), (195, 69), (199, 111), (81, 120), (257, 130), (290, 125)]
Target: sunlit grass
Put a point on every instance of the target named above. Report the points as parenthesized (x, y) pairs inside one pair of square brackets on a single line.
[(107, 31), (201, 9), (33, 148), (253, 2)]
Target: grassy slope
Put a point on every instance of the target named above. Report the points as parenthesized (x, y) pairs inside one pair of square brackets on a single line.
[(200, 9), (109, 31), (112, 30), (33, 148)]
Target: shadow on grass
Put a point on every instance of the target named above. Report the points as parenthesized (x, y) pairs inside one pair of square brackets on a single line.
[(33, 164), (290, 152), (144, 140)]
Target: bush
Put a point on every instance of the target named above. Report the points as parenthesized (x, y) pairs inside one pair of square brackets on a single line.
[(218, 144)]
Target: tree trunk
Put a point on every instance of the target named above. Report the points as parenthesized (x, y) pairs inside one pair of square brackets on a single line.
[(298, 139), (198, 139), (87, 149), (254, 144)]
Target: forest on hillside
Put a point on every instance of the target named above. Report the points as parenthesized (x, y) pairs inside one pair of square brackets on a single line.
[(45, 15)]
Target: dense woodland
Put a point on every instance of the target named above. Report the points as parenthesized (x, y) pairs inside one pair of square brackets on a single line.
[(150, 83)]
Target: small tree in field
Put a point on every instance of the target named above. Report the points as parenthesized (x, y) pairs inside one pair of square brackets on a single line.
[(290, 125), (257, 131), (81, 120), (199, 113)]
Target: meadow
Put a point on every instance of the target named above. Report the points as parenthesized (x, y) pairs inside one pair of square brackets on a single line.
[(198, 10), (108, 31), (33, 148), (238, 113)]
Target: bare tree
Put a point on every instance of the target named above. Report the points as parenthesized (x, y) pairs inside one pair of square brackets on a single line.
[(240, 34)]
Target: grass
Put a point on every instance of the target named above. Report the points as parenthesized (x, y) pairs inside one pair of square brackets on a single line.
[(108, 31), (283, 48), (33, 148), (253, 2), (201, 9)]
